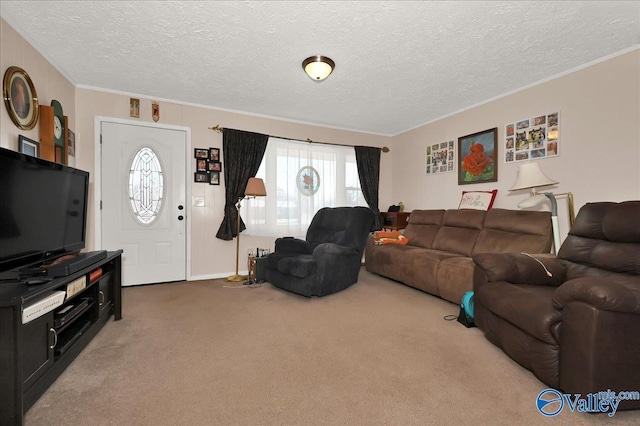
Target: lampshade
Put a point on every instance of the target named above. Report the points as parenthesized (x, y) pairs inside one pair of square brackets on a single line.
[(318, 67), (530, 176), (255, 188)]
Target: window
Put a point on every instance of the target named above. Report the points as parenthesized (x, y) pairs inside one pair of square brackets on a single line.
[(145, 186), (301, 178)]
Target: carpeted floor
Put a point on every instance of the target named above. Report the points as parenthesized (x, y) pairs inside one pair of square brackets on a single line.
[(378, 353)]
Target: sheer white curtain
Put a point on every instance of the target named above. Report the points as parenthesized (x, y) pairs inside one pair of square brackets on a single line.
[(301, 178)]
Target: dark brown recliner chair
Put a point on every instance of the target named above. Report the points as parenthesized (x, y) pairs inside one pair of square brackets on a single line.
[(574, 322)]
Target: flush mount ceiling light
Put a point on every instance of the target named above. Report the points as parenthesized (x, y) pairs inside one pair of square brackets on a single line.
[(318, 67)]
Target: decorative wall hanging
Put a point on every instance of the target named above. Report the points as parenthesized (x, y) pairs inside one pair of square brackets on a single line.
[(214, 154), (155, 111), (201, 177), (208, 165), (134, 108), (441, 158), (71, 137), (214, 178), (20, 98), (202, 157), (201, 165), (29, 146), (532, 138), (308, 180), (200, 153), (477, 154)]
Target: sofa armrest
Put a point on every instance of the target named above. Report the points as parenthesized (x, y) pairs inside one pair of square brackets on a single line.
[(517, 268), (293, 245), (600, 293), (599, 347)]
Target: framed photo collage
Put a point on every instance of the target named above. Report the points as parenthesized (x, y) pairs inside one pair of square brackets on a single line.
[(208, 166), (532, 138)]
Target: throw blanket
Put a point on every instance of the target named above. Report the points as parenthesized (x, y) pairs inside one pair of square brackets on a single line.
[(389, 237)]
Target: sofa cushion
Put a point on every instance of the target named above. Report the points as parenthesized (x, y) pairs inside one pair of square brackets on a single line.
[(420, 268), (528, 307), (455, 277), (388, 260), (459, 231), (606, 236), (423, 226), (621, 223), (589, 221), (515, 231)]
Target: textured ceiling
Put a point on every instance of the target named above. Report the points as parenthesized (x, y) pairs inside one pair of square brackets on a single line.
[(398, 64)]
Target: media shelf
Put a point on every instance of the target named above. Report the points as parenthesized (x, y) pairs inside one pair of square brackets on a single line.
[(34, 353)]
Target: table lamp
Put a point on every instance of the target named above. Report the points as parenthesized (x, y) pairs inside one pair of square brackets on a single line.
[(531, 177)]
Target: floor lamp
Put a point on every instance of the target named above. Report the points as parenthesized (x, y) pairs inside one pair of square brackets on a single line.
[(531, 177), (255, 188)]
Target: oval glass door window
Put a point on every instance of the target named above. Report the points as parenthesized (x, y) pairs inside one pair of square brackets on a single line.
[(146, 186)]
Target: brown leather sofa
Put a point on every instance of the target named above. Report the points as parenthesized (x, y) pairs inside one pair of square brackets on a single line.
[(574, 322), (437, 258)]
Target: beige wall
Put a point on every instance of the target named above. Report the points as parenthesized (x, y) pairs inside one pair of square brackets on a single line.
[(48, 82), (600, 135), (600, 154), (210, 257)]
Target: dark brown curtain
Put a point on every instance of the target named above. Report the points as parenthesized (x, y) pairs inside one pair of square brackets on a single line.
[(368, 161), (242, 153)]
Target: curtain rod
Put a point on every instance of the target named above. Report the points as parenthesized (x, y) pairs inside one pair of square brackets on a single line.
[(219, 129)]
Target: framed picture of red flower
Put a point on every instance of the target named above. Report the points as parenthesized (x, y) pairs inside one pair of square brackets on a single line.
[(477, 155)]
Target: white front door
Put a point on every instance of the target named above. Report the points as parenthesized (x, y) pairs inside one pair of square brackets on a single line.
[(143, 183)]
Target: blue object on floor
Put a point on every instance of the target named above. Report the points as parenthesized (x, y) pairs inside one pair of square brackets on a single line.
[(467, 303)]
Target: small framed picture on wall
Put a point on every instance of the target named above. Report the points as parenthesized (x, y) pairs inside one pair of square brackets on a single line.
[(200, 153), (201, 165), (214, 178), (134, 107), (29, 146), (201, 177), (214, 154)]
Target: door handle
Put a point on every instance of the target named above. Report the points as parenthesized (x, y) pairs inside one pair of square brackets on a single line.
[(55, 337)]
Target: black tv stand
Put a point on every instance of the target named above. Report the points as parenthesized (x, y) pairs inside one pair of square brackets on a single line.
[(35, 353), (53, 267)]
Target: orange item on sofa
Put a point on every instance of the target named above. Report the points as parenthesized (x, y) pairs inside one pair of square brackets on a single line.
[(389, 237)]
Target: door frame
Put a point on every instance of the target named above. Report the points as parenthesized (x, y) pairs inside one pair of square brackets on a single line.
[(97, 178)]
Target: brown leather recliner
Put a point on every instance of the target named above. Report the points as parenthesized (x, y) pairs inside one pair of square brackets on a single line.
[(574, 319)]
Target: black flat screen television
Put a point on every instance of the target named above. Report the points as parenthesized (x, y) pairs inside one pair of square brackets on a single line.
[(43, 210)]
